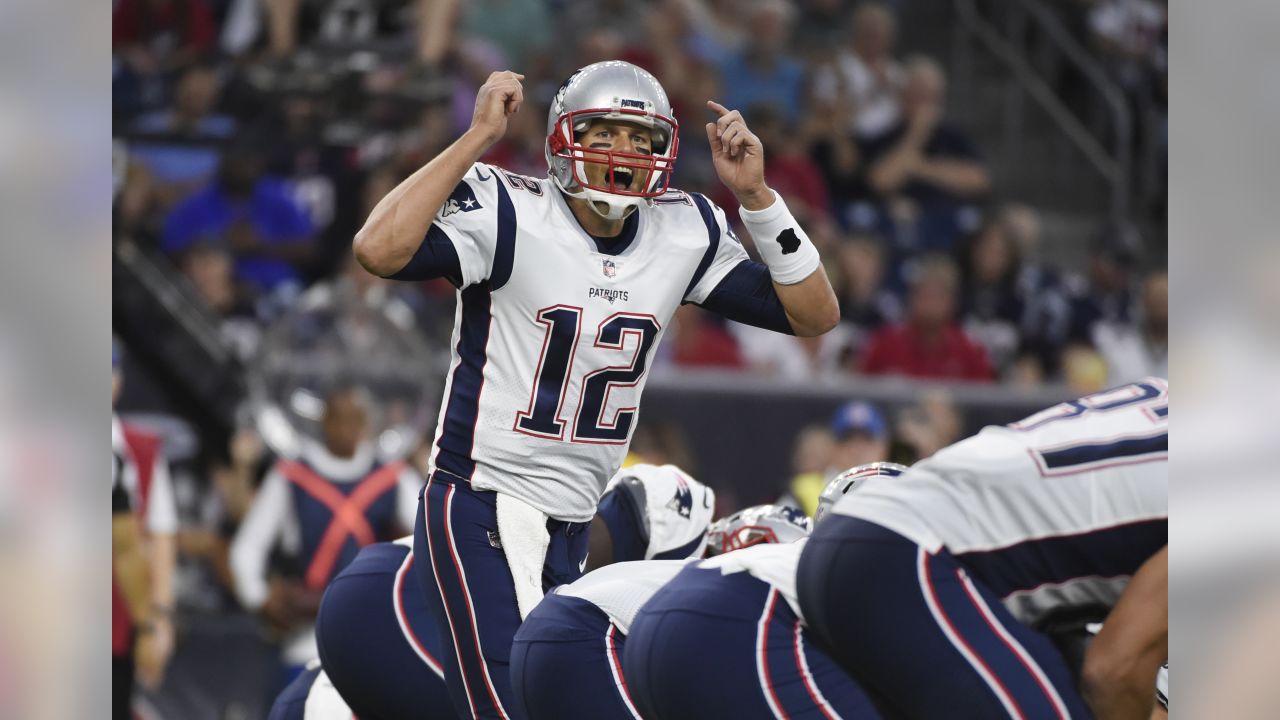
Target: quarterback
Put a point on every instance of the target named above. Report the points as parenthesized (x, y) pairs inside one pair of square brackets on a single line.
[(566, 285)]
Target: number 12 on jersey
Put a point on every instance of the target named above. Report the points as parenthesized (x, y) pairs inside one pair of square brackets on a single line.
[(563, 323)]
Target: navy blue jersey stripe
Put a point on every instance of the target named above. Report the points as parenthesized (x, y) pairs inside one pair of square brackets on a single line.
[(463, 408), (1107, 552), (435, 257), (1098, 452), (505, 253), (681, 552), (713, 240)]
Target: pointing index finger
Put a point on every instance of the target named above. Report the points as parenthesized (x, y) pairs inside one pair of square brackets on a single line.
[(720, 109)]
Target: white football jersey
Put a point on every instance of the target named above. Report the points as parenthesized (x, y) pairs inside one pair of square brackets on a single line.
[(1058, 509), (772, 563), (621, 589), (553, 336)]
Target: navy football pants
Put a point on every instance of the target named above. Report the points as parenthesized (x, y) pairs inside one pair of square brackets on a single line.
[(473, 597), (291, 703), (924, 638), (378, 641), (709, 645), (566, 662)]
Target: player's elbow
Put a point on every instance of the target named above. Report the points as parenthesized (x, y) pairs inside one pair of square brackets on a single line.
[(819, 320), (371, 253)]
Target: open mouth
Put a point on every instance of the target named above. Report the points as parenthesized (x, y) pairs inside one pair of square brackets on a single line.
[(622, 178)]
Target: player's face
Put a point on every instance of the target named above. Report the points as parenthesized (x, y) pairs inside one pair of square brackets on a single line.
[(617, 136), (345, 423)]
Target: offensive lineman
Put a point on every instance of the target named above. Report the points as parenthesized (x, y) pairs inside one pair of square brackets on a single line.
[(567, 655), (1066, 510), (566, 285), (733, 622)]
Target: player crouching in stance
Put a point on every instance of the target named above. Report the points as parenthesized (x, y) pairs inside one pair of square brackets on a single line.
[(566, 661), (566, 285), (378, 636), (972, 547), (725, 637)]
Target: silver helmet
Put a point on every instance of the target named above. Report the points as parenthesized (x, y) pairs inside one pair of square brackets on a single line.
[(851, 478), (612, 90), (755, 525)]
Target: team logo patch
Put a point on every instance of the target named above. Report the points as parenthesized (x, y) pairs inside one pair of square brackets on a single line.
[(463, 199), (610, 269), (682, 503)]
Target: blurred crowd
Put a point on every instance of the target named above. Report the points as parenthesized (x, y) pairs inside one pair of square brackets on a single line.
[(252, 138), (255, 135)]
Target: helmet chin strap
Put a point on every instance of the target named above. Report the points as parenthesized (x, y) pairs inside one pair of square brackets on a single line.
[(618, 208)]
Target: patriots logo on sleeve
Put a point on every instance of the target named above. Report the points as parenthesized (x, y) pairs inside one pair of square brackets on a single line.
[(463, 199)]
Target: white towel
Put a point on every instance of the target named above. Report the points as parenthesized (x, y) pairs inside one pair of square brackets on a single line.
[(522, 530)]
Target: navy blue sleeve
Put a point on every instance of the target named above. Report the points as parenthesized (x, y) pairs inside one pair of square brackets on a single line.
[(622, 510), (746, 295), (435, 258)]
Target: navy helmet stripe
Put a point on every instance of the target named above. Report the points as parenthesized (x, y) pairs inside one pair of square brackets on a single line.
[(713, 240), (504, 254), (1107, 552), (681, 552), (463, 409)]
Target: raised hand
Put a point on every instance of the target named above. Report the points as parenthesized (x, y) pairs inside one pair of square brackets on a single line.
[(499, 98), (738, 156)]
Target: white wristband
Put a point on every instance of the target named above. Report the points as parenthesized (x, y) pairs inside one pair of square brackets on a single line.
[(782, 243)]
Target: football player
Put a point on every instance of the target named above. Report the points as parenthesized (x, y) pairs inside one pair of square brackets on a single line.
[(566, 285), (310, 696), (378, 639), (733, 622), (971, 547), (566, 660)]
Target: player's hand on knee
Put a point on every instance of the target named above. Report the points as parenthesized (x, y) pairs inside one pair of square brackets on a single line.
[(499, 97)]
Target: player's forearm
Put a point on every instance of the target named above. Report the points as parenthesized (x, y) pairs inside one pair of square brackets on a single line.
[(396, 226), (811, 305), (1119, 698), (163, 557), (130, 566)]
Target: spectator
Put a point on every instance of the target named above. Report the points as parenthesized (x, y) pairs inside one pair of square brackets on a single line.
[(865, 304), (1013, 307), (1107, 294), (210, 270), (267, 232), (1135, 351), (762, 72), (925, 170), (302, 504), (856, 435), (929, 344), (810, 461), (861, 436), (139, 467), (180, 146), (155, 35), (862, 85)]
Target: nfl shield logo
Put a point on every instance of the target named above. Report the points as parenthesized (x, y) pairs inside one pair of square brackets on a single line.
[(610, 269)]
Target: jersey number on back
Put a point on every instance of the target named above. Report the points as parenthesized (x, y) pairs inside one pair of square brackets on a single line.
[(1085, 454), (563, 326)]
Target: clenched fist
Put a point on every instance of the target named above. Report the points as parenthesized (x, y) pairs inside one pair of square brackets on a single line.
[(499, 97)]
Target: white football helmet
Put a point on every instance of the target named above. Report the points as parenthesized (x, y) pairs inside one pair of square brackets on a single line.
[(851, 478), (613, 90), (755, 525)]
